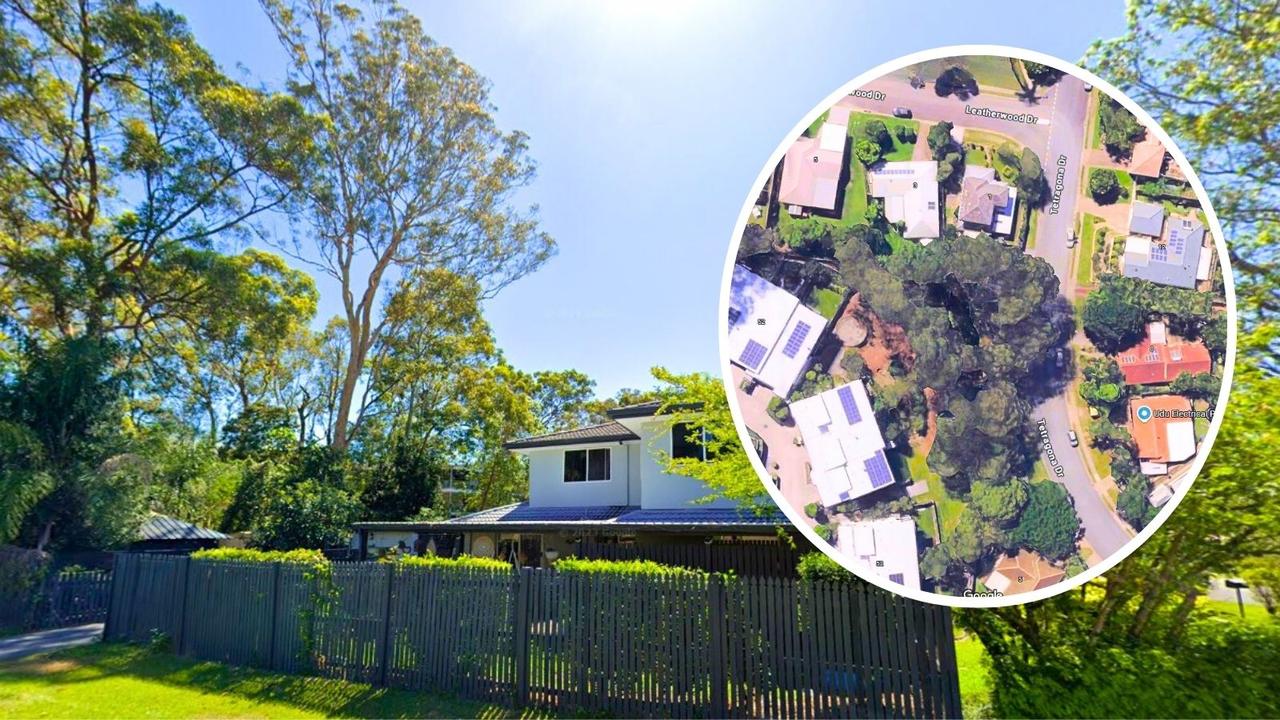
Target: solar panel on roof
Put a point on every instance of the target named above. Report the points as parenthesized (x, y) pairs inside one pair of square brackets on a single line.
[(896, 577), (797, 337), (850, 407), (734, 314), (878, 470), (752, 354)]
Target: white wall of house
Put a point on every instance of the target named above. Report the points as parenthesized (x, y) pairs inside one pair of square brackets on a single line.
[(635, 476), (547, 487), (658, 488)]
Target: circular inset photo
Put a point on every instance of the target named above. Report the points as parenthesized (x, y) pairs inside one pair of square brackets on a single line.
[(979, 326)]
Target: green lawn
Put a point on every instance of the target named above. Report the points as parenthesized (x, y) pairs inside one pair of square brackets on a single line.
[(826, 301), (1084, 254), (129, 681), (1126, 182), (901, 150), (975, 686), (949, 508), (976, 156), (1253, 612)]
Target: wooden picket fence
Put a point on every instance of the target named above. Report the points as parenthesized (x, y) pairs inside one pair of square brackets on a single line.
[(32, 597), (741, 558), (624, 645)]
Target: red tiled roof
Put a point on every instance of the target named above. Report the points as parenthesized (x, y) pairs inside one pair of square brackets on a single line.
[(1150, 363)]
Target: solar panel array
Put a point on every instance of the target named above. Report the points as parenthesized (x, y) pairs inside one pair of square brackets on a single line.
[(797, 338), (850, 407), (1153, 353), (895, 171), (878, 470), (896, 577), (752, 355), (1160, 253), (734, 314)]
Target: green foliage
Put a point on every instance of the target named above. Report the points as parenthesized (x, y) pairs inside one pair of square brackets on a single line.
[(816, 566), (1132, 502), (810, 236), (811, 509), (1042, 74), (1048, 524), (955, 80), (1118, 127), (1146, 681), (1112, 320), (1103, 383), (778, 409), (906, 134), (627, 568), (462, 562), (824, 531), (867, 151), (310, 558), (878, 133), (939, 139), (998, 503), (1103, 185), (307, 514)]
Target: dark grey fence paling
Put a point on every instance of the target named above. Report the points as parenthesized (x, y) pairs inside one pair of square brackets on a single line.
[(618, 644)]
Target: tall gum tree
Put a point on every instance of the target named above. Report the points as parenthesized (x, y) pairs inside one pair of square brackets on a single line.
[(414, 172)]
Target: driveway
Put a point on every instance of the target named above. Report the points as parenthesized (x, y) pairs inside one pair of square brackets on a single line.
[(791, 459), (46, 641)]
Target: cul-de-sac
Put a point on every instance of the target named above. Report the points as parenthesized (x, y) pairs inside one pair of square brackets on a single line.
[(977, 326)]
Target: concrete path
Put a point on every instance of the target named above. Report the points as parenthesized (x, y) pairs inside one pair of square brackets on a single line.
[(45, 641)]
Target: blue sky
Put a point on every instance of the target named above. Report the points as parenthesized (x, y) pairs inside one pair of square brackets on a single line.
[(649, 123)]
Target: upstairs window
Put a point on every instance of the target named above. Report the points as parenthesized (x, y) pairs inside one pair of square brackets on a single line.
[(688, 442), (586, 465)]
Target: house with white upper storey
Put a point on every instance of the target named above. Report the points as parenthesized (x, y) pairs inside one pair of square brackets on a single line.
[(602, 491)]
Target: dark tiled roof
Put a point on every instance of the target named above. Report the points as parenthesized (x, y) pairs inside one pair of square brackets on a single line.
[(605, 432), (645, 409), (521, 512), (162, 527), (700, 516), (520, 515)]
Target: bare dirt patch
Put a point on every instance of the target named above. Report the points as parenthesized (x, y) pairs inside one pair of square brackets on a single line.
[(44, 667)]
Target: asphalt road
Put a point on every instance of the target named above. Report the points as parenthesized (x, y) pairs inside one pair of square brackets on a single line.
[(37, 643), (1062, 156), (1058, 138)]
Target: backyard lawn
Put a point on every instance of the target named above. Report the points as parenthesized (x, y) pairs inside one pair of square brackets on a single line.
[(949, 509), (130, 681), (826, 301)]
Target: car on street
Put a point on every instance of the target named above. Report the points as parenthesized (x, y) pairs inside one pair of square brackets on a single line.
[(901, 112), (1075, 439), (1071, 239)]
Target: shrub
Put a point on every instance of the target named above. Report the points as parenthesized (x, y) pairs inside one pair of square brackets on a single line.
[(462, 562), (636, 568), (811, 509), (867, 151), (906, 134), (817, 566), (253, 555), (824, 532), (778, 410), (1103, 185)]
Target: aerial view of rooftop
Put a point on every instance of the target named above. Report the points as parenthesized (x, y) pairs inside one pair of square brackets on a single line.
[(978, 328)]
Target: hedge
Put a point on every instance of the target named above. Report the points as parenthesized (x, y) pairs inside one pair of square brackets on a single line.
[(251, 555), (462, 562), (636, 568)]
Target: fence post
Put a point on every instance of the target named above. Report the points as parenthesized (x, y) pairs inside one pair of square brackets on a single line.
[(275, 613), (520, 636), (384, 654), (716, 606), (180, 642)]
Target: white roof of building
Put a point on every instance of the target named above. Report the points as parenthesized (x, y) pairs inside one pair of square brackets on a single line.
[(885, 547), (1160, 495), (910, 192), (771, 333), (1181, 440), (846, 449)]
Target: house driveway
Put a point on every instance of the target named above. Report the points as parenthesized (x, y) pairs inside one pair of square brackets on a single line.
[(46, 641), (791, 460)]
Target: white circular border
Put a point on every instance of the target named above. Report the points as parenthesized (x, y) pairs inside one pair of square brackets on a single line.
[(797, 519)]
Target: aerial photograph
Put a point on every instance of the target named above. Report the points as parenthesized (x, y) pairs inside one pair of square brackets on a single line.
[(977, 327)]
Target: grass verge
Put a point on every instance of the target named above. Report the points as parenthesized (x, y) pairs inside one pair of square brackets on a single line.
[(131, 681)]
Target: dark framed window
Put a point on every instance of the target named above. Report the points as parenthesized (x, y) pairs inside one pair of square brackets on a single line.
[(586, 465), (688, 442)]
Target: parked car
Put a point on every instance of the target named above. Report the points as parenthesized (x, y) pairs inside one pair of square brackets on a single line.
[(1060, 357), (901, 112), (1071, 238), (1075, 439)]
